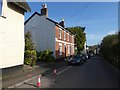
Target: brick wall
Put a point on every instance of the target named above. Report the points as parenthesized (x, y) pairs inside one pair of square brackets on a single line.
[(63, 42)]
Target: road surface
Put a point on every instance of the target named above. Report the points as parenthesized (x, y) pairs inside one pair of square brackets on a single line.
[(95, 73)]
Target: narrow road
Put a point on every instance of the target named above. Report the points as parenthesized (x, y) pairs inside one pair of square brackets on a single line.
[(95, 73)]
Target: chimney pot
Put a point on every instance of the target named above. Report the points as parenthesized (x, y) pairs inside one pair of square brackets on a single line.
[(62, 19), (44, 5), (62, 23), (44, 10)]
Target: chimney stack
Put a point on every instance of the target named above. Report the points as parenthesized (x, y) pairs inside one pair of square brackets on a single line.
[(62, 23), (44, 10)]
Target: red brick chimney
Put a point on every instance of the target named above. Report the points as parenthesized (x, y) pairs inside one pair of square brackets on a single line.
[(62, 23), (44, 10)]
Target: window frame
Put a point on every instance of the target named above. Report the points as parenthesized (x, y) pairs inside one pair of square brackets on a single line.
[(60, 33), (68, 37), (72, 38), (64, 35), (73, 49), (68, 49), (60, 49)]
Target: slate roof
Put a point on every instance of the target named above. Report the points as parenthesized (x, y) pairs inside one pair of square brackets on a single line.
[(56, 23), (40, 15)]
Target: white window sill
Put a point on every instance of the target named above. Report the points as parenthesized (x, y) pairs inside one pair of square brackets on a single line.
[(60, 54)]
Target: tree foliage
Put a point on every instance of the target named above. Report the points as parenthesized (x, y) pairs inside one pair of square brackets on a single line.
[(30, 55), (110, 49), (80, 37)]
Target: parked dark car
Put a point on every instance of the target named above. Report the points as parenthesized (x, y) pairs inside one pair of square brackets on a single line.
[(75, 60), (84, 57), (89, 56)]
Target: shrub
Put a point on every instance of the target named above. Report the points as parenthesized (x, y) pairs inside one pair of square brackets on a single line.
[(30, 52), (45, 56)]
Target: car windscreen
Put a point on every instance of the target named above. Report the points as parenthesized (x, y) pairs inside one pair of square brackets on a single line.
[(77, 56)]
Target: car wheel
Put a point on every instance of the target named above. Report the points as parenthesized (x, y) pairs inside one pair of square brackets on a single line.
[(69, 64), (79, 63)]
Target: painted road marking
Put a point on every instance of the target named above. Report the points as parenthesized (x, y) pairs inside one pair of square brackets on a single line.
[(63, 70)]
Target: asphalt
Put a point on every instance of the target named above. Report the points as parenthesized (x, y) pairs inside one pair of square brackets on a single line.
[(21, 76), (95, 73)]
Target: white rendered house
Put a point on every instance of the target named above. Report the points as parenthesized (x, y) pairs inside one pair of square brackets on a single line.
[(12, 33)]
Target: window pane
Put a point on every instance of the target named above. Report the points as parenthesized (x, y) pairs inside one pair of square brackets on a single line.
[(68, 49), (68, 37), (60, 49), (60, 34), (64, 35)]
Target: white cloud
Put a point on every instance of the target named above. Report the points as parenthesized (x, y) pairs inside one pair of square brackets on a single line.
[(92, 37), (112, 32)]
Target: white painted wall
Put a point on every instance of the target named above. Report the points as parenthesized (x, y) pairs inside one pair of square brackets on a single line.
[(11, 37), (43, 32)]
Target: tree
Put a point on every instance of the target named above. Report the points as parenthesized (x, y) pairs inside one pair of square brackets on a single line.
[(80, 37), (30, 52)]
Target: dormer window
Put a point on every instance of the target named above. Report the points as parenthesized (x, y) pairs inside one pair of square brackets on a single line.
[(1, 3)]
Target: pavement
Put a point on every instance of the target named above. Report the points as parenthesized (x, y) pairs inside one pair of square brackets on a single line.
[(28, 74)]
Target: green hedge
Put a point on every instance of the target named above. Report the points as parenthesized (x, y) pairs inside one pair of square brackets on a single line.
[(110, 49)]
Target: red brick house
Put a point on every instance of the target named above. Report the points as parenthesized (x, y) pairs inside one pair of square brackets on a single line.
[(49, 34)]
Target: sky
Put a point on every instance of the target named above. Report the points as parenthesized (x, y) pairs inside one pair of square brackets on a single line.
[(99, 18), (0, 7)]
